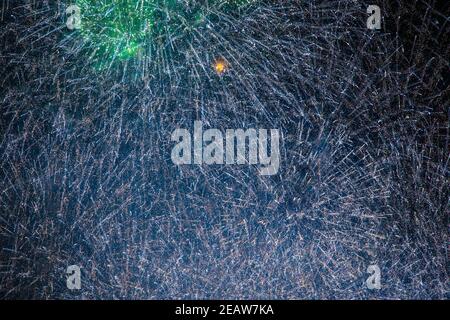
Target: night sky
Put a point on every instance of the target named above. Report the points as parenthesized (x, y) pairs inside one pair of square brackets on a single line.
[(87, 179)]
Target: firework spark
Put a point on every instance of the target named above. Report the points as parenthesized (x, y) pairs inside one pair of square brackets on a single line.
[(86, 177)]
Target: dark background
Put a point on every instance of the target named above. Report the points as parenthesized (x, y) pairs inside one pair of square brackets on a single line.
[(86, 176)]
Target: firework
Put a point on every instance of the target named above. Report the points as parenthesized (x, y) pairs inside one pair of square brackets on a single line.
[(118, 30), (86, 177)]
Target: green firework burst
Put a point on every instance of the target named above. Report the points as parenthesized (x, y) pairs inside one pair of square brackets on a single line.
[(124, 29)]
